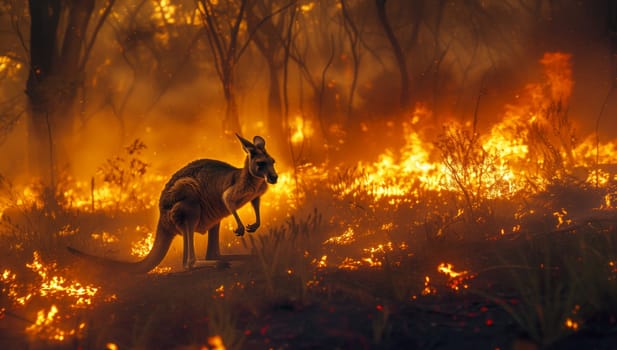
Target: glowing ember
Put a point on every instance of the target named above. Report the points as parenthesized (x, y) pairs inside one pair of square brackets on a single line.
[(456, 280), (11, 288), (215, 343), (562, 220), (373, 257), (220, 291), (349, 264), (447, 269), (56, 290), (9, 66), (321, 263), (160, 270), (571, 324), (105, 237), (346, 238), (428, 289)]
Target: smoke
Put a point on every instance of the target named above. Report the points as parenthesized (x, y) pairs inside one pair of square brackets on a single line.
[(151, 76)]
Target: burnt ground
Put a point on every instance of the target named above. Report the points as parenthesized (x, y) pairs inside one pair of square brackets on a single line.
[(369, 308)]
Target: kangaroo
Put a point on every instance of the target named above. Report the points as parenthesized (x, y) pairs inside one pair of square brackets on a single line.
[(196, 199)]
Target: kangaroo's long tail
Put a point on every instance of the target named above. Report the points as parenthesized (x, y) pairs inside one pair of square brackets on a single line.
[(162, 242)]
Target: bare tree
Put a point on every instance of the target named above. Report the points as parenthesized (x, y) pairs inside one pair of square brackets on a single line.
[(155, 48), (397, 50), (353, 36), (223, 24), (267, 22)]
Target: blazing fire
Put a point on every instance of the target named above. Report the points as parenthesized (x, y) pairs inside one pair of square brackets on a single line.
[(513, 156), (531, 146), (396, 138), (52, 284), (142, 246), (65, 296)]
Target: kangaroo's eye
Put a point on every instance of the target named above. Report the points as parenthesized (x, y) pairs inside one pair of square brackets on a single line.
[(261, 164)]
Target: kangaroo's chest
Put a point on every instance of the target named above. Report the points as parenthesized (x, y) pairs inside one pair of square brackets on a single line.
[(240, 197)]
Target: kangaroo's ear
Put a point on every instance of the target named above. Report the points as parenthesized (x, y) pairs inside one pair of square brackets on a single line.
[(247, 146), (259, 142)]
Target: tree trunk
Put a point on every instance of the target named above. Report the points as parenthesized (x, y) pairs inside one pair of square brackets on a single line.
[(268, 39), (231, 123), (54, 79), (398, 53), (275, 111), (44, 17)]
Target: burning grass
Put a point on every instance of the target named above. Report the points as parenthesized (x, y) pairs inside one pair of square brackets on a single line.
[(518, 218)]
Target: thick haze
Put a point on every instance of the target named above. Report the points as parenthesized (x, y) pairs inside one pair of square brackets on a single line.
[(152, 74)]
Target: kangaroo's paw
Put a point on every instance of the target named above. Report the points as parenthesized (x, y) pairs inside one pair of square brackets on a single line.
[(252, 227), (239, 231), (189, 264)]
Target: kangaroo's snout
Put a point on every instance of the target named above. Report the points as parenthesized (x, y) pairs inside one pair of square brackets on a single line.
[(271, 178)]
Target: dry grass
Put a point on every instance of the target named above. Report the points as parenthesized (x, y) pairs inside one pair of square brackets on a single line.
[(558, 267)]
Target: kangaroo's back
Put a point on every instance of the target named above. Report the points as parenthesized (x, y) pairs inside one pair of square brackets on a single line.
[(209, 178), (212, 176)]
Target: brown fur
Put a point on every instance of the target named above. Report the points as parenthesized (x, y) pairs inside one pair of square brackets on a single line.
[(197, 198)]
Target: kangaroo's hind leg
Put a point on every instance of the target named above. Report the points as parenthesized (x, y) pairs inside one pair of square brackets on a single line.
[(213, 251), (185, 216), (183, 198), (188, 253)]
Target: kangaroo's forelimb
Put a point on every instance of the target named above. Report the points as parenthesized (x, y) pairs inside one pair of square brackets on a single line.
[(255, 226), (231, 207)]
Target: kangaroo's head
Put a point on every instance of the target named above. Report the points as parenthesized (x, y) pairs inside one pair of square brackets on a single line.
[(260, 164)]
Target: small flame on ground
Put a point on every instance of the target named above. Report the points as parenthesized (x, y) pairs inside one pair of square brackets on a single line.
[(456, 280), (447, 268), (220, 291), (143, 246), (46, 326), (55, 284), (105, 237), (562, 219), (571, 324), (320, 263), (214, 343), (10, 288), (346, 238), (50, 286), (428, 289)]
